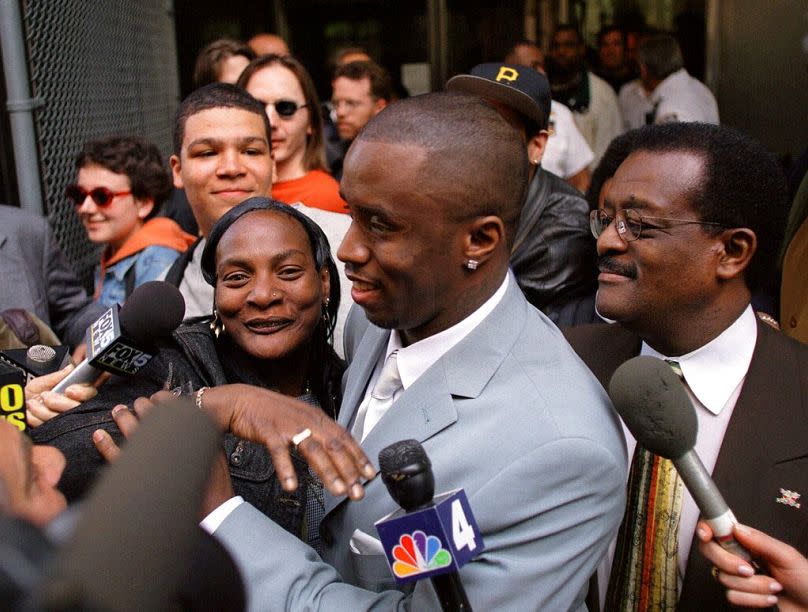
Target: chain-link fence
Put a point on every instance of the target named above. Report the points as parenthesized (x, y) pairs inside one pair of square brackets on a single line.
[(99, 68)]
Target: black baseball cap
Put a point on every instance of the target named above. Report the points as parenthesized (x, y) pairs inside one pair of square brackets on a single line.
[(519, 87)]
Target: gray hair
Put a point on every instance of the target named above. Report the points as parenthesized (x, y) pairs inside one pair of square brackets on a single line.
[(661, 55)]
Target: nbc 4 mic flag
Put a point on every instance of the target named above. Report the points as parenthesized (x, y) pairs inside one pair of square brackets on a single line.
[(436, 540)]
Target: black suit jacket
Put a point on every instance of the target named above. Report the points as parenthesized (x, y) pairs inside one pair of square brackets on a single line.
[(765, 447)]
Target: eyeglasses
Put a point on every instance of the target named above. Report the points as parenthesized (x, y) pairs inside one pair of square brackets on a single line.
[(100, 195), (629, 223), (286, 108)]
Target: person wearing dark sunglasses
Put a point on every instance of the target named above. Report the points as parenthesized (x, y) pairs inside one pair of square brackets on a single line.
[(120, 186), (284, 86)]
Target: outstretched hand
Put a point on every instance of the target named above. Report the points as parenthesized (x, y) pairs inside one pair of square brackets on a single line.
[(786, 585), (272, 419)]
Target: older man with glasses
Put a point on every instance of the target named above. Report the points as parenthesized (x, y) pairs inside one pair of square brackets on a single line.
[(686, 232)]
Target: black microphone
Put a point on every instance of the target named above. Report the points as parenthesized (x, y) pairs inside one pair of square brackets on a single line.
[(122, 342), (133, 545), (654, 405), (407, 473)]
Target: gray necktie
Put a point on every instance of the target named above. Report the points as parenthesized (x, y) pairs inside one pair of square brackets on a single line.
[(381, 397)]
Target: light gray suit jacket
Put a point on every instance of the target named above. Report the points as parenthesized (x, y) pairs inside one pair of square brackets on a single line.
[(511, 415)]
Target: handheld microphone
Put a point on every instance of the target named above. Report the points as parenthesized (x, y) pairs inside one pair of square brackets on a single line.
[(654, 405), (37, 360), (427, 537), (12, 396), (122, 342)]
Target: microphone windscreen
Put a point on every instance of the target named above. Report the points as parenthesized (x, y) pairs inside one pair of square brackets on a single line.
[(407, 473), (654, 405), (400, 455), (135, 539), (153, 310)]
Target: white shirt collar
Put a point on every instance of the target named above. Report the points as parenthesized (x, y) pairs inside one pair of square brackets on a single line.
[(415, 359), (715, 370), (672, 82)]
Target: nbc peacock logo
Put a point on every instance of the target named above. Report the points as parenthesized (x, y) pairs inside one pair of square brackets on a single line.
[(417, 553)]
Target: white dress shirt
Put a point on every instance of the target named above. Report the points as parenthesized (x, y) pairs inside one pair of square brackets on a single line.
[(679, 97), (417, 358), (714, 376), (602, 121), (412, 360), (566, 153)]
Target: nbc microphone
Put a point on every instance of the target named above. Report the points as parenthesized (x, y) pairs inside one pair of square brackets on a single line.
[(654, 405), (121, 341), (428, 537)]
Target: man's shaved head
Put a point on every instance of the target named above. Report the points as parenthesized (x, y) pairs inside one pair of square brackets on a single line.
[(468, 145)]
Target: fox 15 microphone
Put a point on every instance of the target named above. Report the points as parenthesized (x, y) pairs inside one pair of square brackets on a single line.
[(121, 341), (428, 537), (654, 405)]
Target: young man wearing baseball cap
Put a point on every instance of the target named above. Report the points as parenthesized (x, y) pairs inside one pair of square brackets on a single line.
[(553, 255)]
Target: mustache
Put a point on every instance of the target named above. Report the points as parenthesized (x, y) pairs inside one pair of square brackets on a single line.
[(611, 265)]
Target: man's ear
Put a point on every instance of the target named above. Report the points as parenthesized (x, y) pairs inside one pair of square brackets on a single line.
[(535, 147), (738, 247), (176, 171), (378, 105), (484, 237)]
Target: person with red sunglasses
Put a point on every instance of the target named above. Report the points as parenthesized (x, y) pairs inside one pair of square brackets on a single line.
[(120, 187)]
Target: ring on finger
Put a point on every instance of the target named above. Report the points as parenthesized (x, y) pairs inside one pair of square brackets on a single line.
[(298, 438), (714, 573)]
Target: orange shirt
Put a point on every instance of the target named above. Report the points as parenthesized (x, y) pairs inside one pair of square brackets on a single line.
[(316, 189)]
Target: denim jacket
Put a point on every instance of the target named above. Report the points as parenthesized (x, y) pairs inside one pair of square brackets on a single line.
[(191, 361), (147, 265)]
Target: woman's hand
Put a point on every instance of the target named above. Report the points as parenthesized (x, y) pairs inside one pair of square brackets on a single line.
[(787, 584), (42, 404), (273, 420), (127, 421)]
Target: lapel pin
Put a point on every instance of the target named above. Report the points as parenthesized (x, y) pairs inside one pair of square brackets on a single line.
[(789, 498)]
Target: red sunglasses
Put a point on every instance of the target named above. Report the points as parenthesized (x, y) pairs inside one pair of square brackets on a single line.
[(100, 195)]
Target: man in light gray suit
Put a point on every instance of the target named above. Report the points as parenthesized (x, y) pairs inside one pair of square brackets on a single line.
[(498, 399)]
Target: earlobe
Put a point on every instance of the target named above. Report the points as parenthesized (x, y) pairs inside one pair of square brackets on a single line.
[(144, 207), (484, 237), (176, 171), (535, 147), (739, 246), (325, 281)]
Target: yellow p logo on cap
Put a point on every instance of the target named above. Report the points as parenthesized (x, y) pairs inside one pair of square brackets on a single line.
[(507, 74)]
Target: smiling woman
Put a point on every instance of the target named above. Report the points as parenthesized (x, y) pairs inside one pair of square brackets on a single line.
[(120, 187), (275, 311)]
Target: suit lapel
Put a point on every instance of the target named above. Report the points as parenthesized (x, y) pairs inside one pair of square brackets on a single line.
[(427, 407), (373, 343), (756, 439)]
